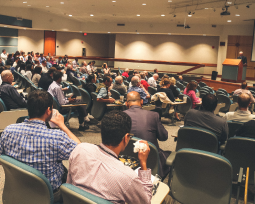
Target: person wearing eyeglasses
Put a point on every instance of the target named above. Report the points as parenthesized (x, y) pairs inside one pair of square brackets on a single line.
[(147, 126), (97, 169), (10, 96)]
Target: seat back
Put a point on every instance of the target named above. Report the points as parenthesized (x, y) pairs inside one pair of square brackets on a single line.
[(86, 98), (2, 106), (24, 184), (202, 84), (201, 177), (240, 152), (126, 83), (98, 109), (235, 98), (56, 104), (180, 85), (153, 158), (233, 126), (83, 83), (75, 195), (75, 80), (223, 90), (184, 108), (197, 138), (203, 92), (152, 90), (115, 94), (224, 99), (76, 91)]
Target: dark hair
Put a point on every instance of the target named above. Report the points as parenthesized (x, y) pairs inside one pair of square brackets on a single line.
[(155, 70), (115, 125), (21, 66), (90, 78), (244, 85), (43, 61), (16, 58), (107, 78), (29, 57), (1, 69), (57, 75), (3, 50), (191, 86), (209, 102), (51, 70), (38, 102), (37, 70), (28, 53), (243, 100)]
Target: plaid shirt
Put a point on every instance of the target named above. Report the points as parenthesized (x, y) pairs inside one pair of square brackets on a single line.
[(32, 143)]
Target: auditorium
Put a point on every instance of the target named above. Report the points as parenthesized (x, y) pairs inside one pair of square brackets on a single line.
[(114, 101)]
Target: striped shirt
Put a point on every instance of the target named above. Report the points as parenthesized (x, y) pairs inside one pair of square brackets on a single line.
[(32, 143), (100, 173)]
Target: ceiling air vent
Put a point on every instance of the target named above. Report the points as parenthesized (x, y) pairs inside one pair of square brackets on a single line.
[(121, 24), (180, 25)]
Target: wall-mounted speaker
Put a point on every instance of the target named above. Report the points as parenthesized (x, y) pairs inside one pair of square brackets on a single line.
[(222, 43), (84, 52)]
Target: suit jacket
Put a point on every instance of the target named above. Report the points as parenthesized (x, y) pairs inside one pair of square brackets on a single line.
[(147, 126)]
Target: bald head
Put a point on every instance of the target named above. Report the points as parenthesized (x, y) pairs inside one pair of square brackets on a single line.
[(134, 98), (5, 75), (118, 80), (244, 100)]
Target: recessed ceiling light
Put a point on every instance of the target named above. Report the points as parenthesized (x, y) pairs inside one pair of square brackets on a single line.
[(204, 34), (229, 2), (229, 21), (5, 26), (70, 15), (53, 30), (91, 15), (163, 15), (113, 1), (28, 5), (138, 15), (24, 28), (169, 0), (189, 15), (206, 8), (169, 33), (109, 32), (144, 4), (137, 33), (47, 6), (24, 2), (237, 15), (80, 31), (62, 2)]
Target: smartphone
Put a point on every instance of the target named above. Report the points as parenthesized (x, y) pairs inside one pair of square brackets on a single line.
[(67, 87)]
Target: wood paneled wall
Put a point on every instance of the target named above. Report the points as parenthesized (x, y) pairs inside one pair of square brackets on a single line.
[(242, 43)]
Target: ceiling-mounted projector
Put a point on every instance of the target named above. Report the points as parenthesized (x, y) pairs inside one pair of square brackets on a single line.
[(226, 12)]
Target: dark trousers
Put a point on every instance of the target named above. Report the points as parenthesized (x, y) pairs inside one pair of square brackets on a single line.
[(81, 111)]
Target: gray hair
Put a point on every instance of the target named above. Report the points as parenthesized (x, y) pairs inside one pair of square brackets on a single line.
[(126, 70), (5, 74), (118, 79), (135, 80)]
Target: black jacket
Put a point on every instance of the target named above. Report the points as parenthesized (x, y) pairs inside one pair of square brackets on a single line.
[(45, 81)]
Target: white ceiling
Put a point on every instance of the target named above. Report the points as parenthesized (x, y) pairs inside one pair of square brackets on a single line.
[(125, 11)]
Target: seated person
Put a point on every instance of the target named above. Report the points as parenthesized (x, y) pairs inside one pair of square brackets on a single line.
[(125, 73), (180, 79), (70, 71), (48, 62), (41, 58), (247, 129), (155, 70), (152, 81), (56, 91), (46, 79), (10, 96), (138, 87), (242, 114), (37, 75), (44, 66), (75, 63), (119, 86), (243, 89), (89, 86), (147, 126), (29, 69), (97, 170), (206, 119), (83, 69), (32, 143), (135, 72), (102, 91), (106, 69), (143, 81), (190, 91), (173, 87)]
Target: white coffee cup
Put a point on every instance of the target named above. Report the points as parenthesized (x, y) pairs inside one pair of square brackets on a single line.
[(184, 98), (54, 114), (121, 98)]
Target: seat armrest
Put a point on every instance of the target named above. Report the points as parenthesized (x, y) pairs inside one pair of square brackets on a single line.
[(170, 159), (222, 147), (72, 105)]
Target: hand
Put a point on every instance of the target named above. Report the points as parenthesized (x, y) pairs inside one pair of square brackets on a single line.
[(59, 120), (13, 83), (142, 156), (111, 100), (141, 86), (64, 89), (71, 100)]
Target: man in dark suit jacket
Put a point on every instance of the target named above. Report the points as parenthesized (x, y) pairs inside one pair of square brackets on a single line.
[(243, 58), (147, 126)]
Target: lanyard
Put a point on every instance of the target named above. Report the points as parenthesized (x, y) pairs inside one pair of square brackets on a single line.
[(107, 152)]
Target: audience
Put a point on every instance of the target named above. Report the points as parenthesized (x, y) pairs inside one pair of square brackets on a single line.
[(207, 119), (4, 56), (102, 91), (147, 126), (242, 114), (125, 73), (56, 91), (37, 146), (106, 69), (190, 91), (243, 89), (46, 79), (138, 87), (119, 86), (97, 169), (143, 81), (11, 98), (152, 81), (37, 75)]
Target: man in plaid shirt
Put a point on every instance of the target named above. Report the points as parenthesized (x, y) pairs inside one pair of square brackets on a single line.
[(32, 143)]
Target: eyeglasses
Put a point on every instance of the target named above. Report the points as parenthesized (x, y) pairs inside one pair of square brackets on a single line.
[(131, 135)]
